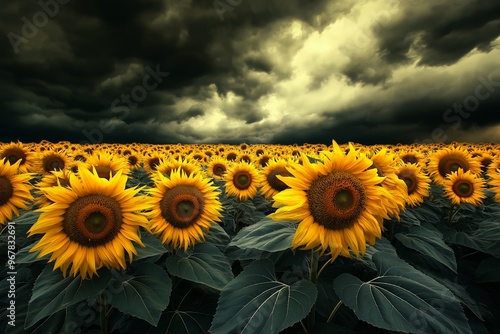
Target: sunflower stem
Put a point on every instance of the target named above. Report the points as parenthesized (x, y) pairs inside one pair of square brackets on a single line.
[(323, 268), (313, 277), (334, 311), (103, 317), (452, 207)]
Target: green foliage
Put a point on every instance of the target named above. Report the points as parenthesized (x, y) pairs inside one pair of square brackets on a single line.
[(433, 271), (257, 302), (204, 264)]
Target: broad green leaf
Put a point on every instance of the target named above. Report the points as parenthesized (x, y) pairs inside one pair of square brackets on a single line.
[(23, 256), (52, 292), (27, 218), (256, 302), (218, 236), (408, 218), (153, 247), (402, 299), (186, 322), (488, 270), (266, 235), (204, 264), (145, 295), (429, 243), (472, 240)]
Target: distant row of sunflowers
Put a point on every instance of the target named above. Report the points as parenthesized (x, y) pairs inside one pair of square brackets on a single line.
[(340, 194)]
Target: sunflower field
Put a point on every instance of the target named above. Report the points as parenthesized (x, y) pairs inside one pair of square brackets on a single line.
[(249, 238)]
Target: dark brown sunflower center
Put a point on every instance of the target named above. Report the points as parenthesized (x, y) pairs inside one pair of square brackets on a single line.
[(463, 188), (276, 183), (132, 160), (409, 158), (378, 168), (53, 162), (182, 206), (6, 190), (231, 156), (336, 200), (80, 157), (264, 160), (219, 169), (103, 171), (93, 220), (452, 163), (242, 180), (14, 154), (153, 163), (63, 182), (410, 179)]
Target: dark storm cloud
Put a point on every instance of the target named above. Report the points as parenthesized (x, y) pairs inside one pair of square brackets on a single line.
[(442, 31), (87, 73)]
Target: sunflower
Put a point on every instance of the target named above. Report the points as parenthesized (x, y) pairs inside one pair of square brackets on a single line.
[(417, 183), (107, 164), (91, 224), (385, 164), (217, 167), (14, 190), (18, 151), (450, 159), (464, 187), (184, 208), (50, 160), (242, 180), (58, 178), (189, 166), (272, 184), (494, 182), (337, 201)]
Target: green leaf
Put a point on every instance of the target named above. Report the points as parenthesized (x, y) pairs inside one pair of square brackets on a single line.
[(488, 270), (23, 256), (402, 299), (218, 236), (256, 302), (186, 322), (408, 218), (429, 243), (204, 264), (27, 218), (144, 295), (266, 235), (153, 247), (52, 292)]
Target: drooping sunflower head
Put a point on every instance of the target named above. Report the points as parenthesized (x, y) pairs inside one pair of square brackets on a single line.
[(417, 183), (90, 224), (338, 202), (464, 187), (242, 180), (184, 208), (272, 173), (14, 190), (14, 152), (450, 159), (107, 164)]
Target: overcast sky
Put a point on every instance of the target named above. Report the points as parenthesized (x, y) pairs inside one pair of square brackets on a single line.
[(254, 71)]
